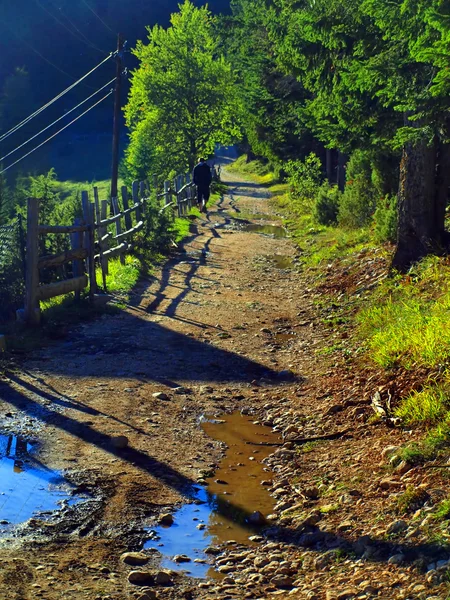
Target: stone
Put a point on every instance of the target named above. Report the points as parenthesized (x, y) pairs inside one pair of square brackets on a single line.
[(166, 519), (181, 558), (282, 581), (163, 578), (311, 492), (346, 595), (214, 550), (134, 558), (397, 527), (119, 441), (334, 409), (160, 396), (396, 559), (345, 526), (403, 467), (256, 518), (389, 451), (260, 561), (148, 595), (141, 578)]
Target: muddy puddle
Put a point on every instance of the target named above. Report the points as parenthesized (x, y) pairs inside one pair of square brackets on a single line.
[(221, 509), (27, 487), (281, 261), (275, 231)]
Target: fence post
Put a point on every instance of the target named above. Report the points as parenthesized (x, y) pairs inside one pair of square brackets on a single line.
[(135, 193), (166, 192), (189, 190), (76, 241), (128, 221), (32, 310), (102, 232), (97, 220), (116, 209), (89, 241), (143, 192)]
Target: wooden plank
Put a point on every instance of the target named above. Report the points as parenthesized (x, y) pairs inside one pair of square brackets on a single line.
[(44, 229), (60, 288), (32, 312), (129, 232), (126, 206), (55, 260), (116, 209), (109, 221), (97, 220), (118, 250)]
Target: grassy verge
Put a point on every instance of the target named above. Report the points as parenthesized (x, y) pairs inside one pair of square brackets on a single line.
[(402, 325)]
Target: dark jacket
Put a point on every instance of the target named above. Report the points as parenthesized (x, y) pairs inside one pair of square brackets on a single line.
[(202, 175)]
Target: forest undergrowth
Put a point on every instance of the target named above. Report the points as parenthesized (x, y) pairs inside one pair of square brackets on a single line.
[(398, 324)]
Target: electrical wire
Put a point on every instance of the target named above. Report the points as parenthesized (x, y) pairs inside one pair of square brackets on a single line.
[(84, 41), (98, 17), (36, 113), (57, 133), (57, 121)]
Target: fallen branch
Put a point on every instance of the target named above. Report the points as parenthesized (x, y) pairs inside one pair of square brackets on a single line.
[(314, 438)]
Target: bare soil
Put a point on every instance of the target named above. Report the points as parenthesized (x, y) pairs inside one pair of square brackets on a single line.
[(219, 328)]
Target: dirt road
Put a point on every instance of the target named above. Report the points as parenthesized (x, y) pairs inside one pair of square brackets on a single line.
[(116, 404)]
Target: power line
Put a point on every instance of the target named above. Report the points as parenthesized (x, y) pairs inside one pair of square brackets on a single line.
[(57, 120), (87, 43), (36, 113), (98, 17), (57, 133)]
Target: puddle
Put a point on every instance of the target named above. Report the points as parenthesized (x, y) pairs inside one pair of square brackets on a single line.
[(221, 509), (281, 261), (275, 231), (27, 488)]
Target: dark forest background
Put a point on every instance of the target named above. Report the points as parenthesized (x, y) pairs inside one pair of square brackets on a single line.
[(46, 46)]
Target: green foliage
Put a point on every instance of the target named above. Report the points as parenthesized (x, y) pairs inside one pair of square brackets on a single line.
[(304, 178), (326, 208), (182, 99), (443, 510), (408, 320), (358, 201), (427, 406), (410, 500), (121, 278), (386, 218)]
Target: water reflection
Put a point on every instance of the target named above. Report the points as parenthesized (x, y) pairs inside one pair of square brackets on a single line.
[(220, 512), (27, 488)]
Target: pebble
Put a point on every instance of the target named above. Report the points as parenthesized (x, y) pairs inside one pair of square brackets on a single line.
[(134, 558), (396, 559), (119, 441), (163, 578), (160, 396), (256, 518), (181, 558), (397, 527), (141, 578), (166, 519)]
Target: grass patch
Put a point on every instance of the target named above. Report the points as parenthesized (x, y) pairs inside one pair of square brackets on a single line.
[(427, 406), (255, 170), (328, 508), (410, 500), (430, 447), (408, 320), (443, 511)]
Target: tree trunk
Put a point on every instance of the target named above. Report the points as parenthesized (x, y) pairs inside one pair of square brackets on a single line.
[(342, 161), (420, 220), (329, 165)]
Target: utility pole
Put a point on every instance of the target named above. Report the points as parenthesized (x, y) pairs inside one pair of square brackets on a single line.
[(116, 122)]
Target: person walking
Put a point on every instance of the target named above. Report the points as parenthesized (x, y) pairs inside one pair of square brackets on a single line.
[(202, 179)]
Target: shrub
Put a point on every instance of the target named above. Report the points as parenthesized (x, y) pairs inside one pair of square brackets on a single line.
[(358, 201), (304, 178), (385, 219), (327, 205)]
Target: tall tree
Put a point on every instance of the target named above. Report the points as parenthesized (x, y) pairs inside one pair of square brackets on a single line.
[(182, 99)]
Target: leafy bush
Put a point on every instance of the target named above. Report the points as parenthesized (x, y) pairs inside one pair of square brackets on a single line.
[(358, 201), (305, 178), (385, 219), (326, 208)]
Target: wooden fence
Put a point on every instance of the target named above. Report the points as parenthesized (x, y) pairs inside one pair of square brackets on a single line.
[(90, 241)]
